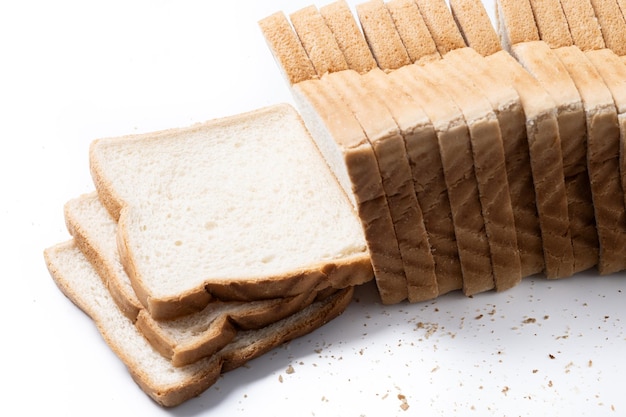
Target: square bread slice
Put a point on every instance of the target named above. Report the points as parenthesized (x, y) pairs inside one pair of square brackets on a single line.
[(341, 140), (183, 340), (583, 24), (458, 166), (612, 24), (239, 208), (166, 384), (412, 30)]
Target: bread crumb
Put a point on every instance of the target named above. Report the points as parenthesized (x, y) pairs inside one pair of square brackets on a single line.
[(280, 378), (590, 363), (290, 370), (405, 405), (530, 320), (505, 390), (551, 356)]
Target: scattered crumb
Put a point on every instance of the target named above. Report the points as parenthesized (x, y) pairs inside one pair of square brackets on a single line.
[(405, 405), (290, 370), (505, 390), (280, 378), (530, 320), (551, 356), (546, 317), (478, 317), (590, 363), (550, 384), (535, 371)]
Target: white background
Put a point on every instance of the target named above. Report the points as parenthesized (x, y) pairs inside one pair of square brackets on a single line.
[(73, 71)]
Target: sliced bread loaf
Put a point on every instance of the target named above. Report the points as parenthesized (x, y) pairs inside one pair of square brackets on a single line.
[(243, 208), (156, 376)]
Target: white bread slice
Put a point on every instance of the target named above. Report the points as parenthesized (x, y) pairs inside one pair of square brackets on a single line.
[(381, 35), (583, 24), (428, 172), (412, 30), (458, 166), (341, 140), (155, 375), (318, 40), (388, 144), (243, 207), (183, 340), (292, 59), (415, 127), (612, 24), (342, 23)]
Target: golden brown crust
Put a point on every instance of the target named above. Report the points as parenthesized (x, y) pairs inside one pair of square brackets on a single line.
[(551, 23), (583, 24), (612, 24)]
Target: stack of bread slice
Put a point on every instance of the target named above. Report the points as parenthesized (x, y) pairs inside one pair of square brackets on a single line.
[(484, 157), (204, 247)]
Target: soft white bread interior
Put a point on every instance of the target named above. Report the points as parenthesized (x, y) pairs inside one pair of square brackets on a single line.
[(243, 207), (166, 384)]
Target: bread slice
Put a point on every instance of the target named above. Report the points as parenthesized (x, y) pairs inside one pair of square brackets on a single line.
[(381, 35), (388, 144), (240, 208), (516, 22), (156, 376), (341, 139), (458, 166), (318, 40), (475, 26), (344, 27), (292, 59), (415, 128), (183, 340)]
